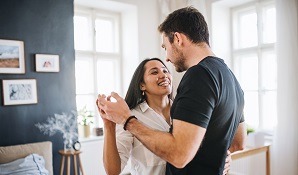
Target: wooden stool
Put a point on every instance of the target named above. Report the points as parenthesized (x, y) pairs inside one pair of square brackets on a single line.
[(68, 154)]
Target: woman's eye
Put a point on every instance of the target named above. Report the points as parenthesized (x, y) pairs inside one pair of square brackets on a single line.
[(154, 73), (165, 71)]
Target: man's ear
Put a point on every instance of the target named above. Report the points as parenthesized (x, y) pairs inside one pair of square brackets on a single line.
[(178, 38)]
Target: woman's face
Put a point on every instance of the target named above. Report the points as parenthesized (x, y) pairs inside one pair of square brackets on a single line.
[(157, 79)]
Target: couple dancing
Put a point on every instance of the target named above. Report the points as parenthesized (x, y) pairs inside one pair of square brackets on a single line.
[(192, 134)]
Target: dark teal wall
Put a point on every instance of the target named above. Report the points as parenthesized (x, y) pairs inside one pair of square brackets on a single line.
[(46, 27)]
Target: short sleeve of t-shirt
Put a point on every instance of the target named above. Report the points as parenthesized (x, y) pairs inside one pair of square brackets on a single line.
[(242, 118), (196, 97)]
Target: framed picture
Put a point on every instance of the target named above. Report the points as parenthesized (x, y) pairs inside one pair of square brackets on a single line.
[(12, 60), (46, 63), (20, 91)]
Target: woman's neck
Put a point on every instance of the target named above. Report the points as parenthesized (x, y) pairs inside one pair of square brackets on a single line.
[(160, 105)]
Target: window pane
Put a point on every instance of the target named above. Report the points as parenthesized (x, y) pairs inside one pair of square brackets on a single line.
[(269, 25), (84, 76), (255, 63), (82, 33), (269, 71), (269, 110), (251, 108), (248, 33), (107, 76), (246, 67), (105, 32), (86, 100)]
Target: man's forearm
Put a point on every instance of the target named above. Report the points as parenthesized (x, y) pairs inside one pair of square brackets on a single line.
[(176, 149), (163, 148), (239, 140)]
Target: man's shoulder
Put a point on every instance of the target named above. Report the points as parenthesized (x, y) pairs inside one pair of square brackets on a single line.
[(212, 62)]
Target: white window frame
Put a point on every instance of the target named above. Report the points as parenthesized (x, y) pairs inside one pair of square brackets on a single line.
[(258, 50), (97, 56)]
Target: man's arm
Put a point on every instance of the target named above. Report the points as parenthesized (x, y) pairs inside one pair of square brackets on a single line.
[(177, 148), (239, 141)]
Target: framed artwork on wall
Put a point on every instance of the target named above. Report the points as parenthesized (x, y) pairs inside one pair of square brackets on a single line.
[(12, 59), (19, 91), (46, 63)]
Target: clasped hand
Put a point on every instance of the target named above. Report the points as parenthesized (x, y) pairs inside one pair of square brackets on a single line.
[(116, 112)]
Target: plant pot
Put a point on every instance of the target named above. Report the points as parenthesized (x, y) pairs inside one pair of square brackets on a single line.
[(84, 130)]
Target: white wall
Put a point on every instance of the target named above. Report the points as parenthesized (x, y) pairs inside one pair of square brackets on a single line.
[(148, 38), (285, 147), (221, 32), (148, 21)]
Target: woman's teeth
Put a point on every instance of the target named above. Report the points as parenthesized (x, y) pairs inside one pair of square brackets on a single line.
[(164, 83)]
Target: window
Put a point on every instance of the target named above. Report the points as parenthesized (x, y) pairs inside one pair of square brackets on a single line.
[(254, 61), (98, 57)]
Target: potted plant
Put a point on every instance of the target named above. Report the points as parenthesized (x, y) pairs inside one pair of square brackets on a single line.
[(249, 129), (250, 140), (85, 118)]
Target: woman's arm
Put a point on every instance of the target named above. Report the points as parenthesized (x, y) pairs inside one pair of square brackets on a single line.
[(111, 158), (117, 146)]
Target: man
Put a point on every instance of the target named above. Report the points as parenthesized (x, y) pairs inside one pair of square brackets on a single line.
[(207, 111)]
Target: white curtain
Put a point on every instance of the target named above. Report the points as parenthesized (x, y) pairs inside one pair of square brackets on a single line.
[(285, 145)]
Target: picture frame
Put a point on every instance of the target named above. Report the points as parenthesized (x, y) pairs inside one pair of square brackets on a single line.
[(12, 59), (19, 91), (46, 63)]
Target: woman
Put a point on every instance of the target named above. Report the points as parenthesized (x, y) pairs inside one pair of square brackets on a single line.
[(149, 97)]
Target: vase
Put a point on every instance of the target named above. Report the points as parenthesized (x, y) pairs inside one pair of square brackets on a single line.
[(84, 130), (68, 145)]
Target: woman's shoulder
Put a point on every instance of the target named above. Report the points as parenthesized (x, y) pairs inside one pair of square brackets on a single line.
[(140, 108)]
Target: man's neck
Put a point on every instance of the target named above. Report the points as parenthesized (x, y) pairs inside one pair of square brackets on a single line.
[(196, 53)]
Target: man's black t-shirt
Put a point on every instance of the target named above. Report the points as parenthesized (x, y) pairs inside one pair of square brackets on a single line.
[(209, 96)]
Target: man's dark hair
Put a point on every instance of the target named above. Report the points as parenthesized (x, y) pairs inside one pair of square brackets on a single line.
[(134, 93), (188, 21)]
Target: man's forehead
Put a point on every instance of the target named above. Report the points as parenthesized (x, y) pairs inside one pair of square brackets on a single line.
[(164, 38)]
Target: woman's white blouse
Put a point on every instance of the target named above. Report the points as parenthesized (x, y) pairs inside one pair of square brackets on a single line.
[(143, 161)]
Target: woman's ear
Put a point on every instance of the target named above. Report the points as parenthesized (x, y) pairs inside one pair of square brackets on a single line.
[(142, 87)]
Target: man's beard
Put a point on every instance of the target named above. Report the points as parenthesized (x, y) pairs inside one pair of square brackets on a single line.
[(180, 61)]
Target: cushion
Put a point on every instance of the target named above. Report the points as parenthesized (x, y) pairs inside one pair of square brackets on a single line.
[(33, 164), (44, 149)]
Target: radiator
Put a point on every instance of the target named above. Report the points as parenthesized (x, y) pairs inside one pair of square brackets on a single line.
[(253, 165)]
